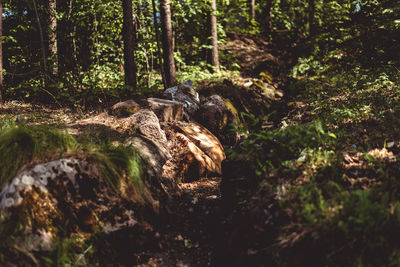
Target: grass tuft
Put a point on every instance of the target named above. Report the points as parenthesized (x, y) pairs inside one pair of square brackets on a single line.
[(20, 145)]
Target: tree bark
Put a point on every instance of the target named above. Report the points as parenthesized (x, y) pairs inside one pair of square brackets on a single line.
[(53, 53), (44, 61), (167, 43), (128, 33), (214, 35), (157, 30), (1, 52), (252, 11), (311, 17), (268, 22)]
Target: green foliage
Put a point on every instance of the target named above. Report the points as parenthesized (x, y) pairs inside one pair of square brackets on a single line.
[(117, 162), (339, 203), (306, 65), (66, 252), (360, 221), (268, 149), (198, 74)]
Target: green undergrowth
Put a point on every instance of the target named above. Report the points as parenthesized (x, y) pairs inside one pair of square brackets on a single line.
[(332, 169), (270, 149), (199, 74)]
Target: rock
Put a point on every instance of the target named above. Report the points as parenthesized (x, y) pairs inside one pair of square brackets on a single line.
[(166, 110), (151, 143), (196, 152), (155, 154), (125, 109), (142, 130), (218, 115), (244, 99), (185, 94), (69, 189), (145, 122)]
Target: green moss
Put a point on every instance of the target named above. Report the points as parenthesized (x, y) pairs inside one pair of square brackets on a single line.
[(231, 107)]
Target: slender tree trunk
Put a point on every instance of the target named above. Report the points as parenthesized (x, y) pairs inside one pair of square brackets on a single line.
[(268, 22), (214, 35), (1, 52), (311, 17), (53, 36), (252, 11), (129, 44), (167, 43), (157, 30), (44, 61), (66, 58)]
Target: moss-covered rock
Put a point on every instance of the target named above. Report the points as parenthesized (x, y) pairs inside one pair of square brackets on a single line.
[(55, 189), (185, 94), (125, 109), (219, 115)]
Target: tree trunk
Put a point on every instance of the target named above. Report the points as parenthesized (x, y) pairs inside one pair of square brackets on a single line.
[(53, 36), (157, 30), (167, 43), (311, 17), (268, 22), (44, 64), (252, 11), (214, 35), (128, 34), (1, 53)]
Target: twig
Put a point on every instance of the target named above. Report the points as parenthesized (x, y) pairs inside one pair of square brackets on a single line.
[(58, 103)]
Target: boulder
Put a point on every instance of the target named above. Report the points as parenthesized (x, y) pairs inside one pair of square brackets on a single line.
[(145, 122), (185, 94), (125, 109), (166, 110), (218, 115), (150, 141), (244, 99), (142, 130), (196, 152), (154, 153), (66, 191)]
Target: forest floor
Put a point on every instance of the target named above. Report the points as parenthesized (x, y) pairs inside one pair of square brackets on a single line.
[(188, 237), (332, 145)]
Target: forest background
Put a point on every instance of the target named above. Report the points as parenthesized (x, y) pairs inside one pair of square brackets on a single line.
[(73, 51)]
